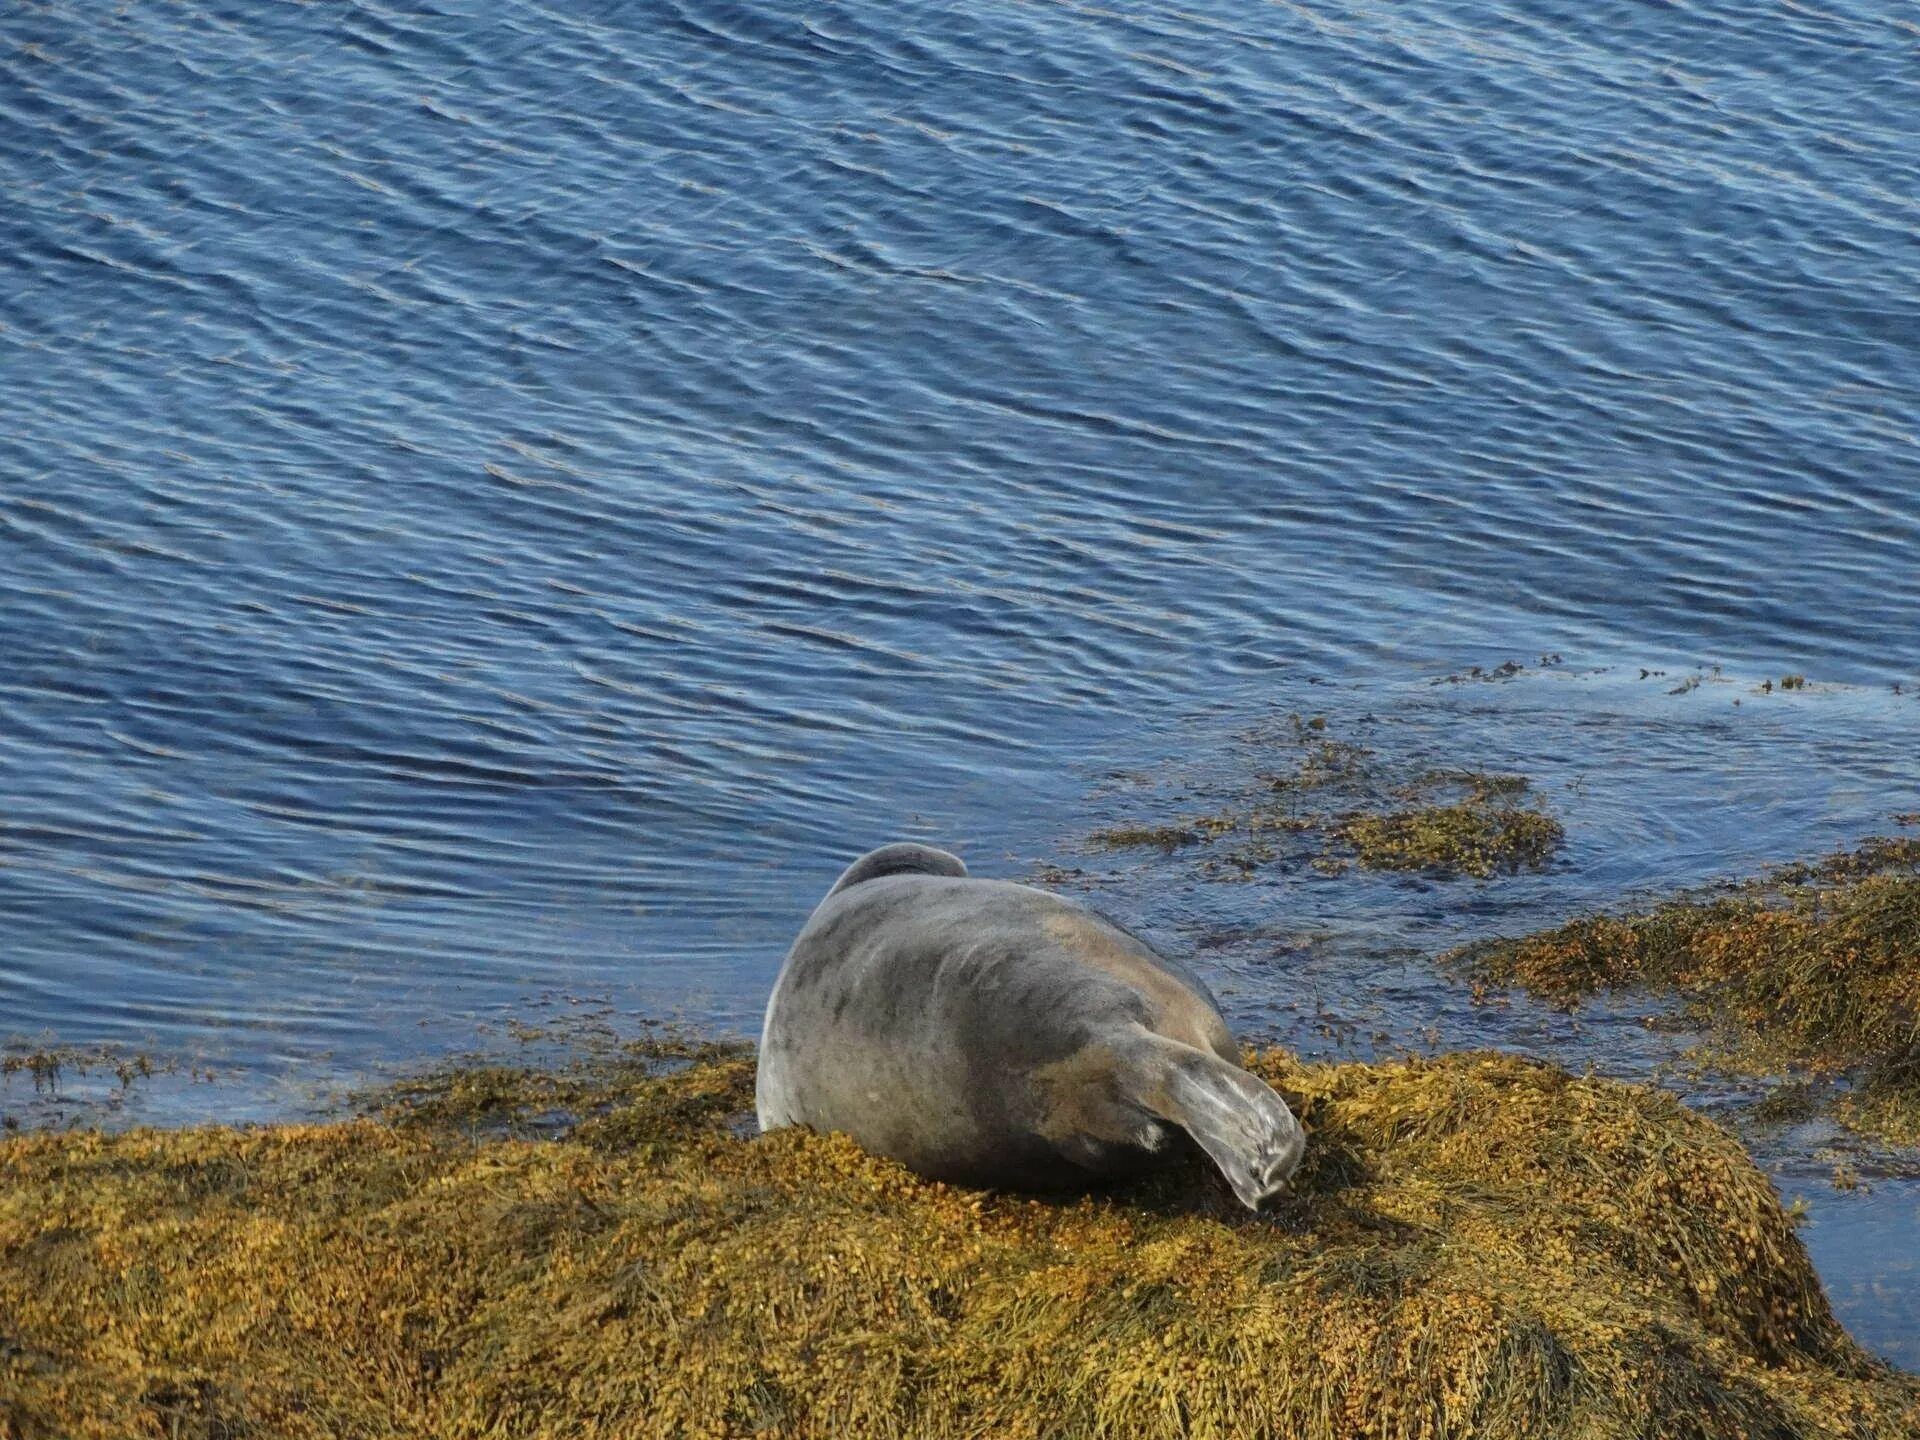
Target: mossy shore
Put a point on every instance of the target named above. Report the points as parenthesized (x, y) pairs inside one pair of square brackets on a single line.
[(1481, 1246)]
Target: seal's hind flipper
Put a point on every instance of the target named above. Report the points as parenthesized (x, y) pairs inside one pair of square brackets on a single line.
[(904, 858)]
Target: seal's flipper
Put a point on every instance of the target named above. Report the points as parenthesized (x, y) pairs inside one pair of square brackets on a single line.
[(904, 858), (1235, 1117)]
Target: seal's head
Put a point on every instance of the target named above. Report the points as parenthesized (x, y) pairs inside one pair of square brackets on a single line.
[(1245, 1128), (1136, 1089)]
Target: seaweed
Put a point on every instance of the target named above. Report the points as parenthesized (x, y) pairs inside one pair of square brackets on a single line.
[(1479, 1247), (1811, 970), (46, 1067), (1350, 807), (1469, 839)]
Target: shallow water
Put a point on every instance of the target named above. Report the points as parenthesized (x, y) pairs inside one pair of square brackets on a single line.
[(499, 502)]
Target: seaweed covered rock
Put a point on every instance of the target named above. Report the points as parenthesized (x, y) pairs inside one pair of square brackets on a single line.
[(1814, 968), (1480, 1247)]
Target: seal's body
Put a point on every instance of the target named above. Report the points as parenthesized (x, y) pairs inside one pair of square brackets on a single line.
[(993, 1034)]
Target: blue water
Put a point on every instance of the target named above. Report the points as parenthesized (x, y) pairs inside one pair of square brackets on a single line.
[(500, 501)]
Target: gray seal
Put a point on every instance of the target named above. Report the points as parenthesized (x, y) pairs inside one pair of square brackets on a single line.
[(988, 1033)]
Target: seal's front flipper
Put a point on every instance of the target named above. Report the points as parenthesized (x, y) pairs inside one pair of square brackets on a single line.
[(1245, 1128)]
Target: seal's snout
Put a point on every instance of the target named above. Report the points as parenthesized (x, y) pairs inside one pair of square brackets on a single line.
[(1266, 1197), (1269, 1175), (1256, 1186), (1276, 1176)]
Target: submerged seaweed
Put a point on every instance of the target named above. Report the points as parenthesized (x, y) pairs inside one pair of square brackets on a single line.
[(1471, 838), (1815, 968), (1480, 1246), (1348, 806)]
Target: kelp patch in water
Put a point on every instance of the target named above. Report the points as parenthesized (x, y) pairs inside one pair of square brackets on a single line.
[(1480, 1246), (1469, 838), (1814, 968), (1340, 804), (46, 1067), (39, 1084)]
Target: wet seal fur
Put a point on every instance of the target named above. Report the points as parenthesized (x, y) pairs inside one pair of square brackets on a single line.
[(988, 1033)]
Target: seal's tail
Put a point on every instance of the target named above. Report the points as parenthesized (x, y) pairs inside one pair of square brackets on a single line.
[(905, 858)]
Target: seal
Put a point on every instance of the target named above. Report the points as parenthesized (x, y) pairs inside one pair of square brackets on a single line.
[(991, 1034)]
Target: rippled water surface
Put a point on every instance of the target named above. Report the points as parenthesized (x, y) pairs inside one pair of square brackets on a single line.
[(501, 500)]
